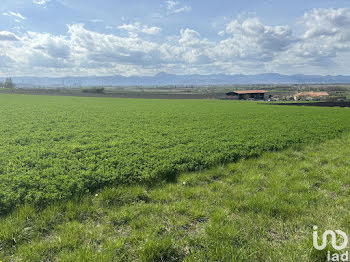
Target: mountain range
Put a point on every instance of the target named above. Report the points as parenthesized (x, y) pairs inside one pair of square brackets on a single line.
[(164, 79)]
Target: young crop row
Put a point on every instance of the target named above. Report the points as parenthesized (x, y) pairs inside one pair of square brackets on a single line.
[(54, 148)]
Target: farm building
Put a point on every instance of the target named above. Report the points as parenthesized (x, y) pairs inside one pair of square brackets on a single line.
[(246, 95), (311, 96)]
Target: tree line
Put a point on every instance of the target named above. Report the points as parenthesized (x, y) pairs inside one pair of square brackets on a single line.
[(7, 84)]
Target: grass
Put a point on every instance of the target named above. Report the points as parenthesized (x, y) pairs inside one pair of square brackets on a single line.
[(56, 148), (258, 209)]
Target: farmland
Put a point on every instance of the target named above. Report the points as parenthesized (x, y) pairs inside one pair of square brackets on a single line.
[(259, 209), (56, 148)]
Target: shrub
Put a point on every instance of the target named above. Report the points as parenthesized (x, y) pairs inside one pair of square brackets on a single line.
[(93, 90)]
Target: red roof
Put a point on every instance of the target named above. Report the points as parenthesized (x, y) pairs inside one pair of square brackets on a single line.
[(242, 92)]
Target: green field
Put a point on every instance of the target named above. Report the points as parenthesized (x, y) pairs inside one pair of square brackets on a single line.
[(54, 148), (260, 209)]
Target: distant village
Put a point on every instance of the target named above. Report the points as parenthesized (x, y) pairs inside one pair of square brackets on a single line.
[(264, 95), (316, 92)]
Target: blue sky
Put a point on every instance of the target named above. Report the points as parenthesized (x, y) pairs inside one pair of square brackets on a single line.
[(139, 37)]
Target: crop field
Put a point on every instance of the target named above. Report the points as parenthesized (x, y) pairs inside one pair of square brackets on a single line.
[(55, 148), (259, 209)]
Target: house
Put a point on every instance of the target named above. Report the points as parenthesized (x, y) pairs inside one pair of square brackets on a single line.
[(311, 96), (246, 95)]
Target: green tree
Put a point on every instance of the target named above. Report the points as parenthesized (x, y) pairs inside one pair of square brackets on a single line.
[(8, 83)]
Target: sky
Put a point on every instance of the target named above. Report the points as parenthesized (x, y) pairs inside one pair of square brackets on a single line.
[(53, 38)]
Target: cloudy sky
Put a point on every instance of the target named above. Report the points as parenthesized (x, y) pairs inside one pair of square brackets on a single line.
[(144, 37)]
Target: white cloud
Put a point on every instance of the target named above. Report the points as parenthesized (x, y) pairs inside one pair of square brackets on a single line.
[(95, 48), (14, 14), (244, 46), (325, 41), (5, 61), (174, 7), (189, 49), (190, 38), (8, 36), (97, 20), (251, 40), (221, 33), (137, 27), (41, 2), (327, 23)]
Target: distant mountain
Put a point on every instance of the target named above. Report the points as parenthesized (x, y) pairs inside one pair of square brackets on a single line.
[(162, 79)]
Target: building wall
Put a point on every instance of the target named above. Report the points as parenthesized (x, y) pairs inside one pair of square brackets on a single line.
[(257, 96), (310, 98)]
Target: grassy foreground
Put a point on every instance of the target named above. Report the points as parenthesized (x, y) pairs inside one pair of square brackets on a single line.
[(260, 209)]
